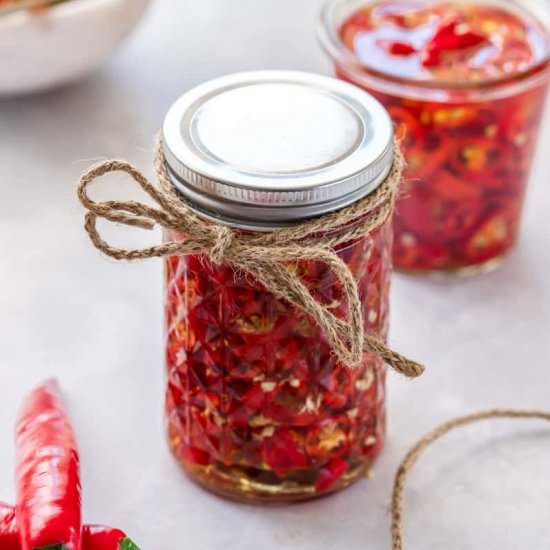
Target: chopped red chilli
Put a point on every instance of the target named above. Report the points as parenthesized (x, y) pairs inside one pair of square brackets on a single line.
[(469, 158), (256, 398)]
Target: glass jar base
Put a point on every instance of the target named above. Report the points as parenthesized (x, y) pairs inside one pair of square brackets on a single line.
[(456, 273), (233, 484)]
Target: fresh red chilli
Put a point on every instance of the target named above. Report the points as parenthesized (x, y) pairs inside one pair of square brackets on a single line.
[(101, 537), (465, 84), (255, 394), (48, 473), (94, 537)]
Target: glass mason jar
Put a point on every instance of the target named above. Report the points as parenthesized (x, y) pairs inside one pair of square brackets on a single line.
[(258, 407), (465, 83)]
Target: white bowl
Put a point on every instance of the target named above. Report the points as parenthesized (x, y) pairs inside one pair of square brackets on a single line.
[(63, 43)]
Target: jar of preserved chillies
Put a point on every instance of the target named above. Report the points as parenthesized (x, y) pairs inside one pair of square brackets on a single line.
[(260, 404), (465, 83)]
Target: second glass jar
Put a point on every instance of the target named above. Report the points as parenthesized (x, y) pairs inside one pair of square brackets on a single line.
[(465, 83)]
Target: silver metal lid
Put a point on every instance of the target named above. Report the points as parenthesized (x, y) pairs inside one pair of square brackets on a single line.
[(263, 149)]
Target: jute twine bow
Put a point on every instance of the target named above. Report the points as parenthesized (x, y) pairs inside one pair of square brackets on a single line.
[(266, 256), (416, 452)]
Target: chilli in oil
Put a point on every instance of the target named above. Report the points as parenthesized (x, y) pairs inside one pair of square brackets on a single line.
[(258, 405), (465, 83)]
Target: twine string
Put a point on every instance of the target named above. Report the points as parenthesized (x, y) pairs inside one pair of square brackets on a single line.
[(268, 257), (412, 457)]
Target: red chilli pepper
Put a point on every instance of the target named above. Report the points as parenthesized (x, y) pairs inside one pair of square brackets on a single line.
[(98, 537), (48, 477), (9, 535), (94, 537)]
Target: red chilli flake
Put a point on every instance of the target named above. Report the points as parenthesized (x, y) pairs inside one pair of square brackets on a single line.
[(448, 39), (282, 453), (331, 474), (397, 48)]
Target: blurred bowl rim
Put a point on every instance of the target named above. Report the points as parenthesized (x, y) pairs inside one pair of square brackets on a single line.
[(68, 8)]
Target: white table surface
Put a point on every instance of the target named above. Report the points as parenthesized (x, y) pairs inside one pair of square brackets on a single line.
[(96, 324)]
